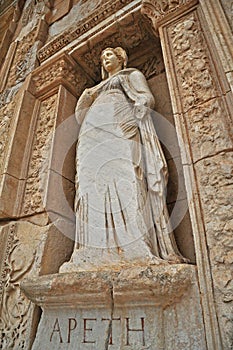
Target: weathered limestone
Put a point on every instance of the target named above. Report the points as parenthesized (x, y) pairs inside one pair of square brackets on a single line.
[(141, 307), (27, 250), (46, 54), (200, 92)]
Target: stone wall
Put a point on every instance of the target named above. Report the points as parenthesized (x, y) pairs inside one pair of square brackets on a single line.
[(49, 54)]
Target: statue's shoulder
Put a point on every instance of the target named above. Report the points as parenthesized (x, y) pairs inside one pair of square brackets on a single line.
[(131, 71), (134, 75)]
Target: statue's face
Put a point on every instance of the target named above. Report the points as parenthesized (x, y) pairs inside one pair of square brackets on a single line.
[(110, 61)]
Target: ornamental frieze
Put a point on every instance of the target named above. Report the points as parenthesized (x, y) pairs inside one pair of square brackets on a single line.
[(62, 70), (156, 10), (104, 11)]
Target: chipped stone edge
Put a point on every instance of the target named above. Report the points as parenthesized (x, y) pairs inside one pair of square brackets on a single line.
[(138, 286)]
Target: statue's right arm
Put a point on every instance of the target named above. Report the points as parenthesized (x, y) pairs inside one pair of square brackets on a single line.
[(83, 104)]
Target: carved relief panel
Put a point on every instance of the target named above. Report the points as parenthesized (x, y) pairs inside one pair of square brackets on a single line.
[(40, 156), (21, 259), (6, 116), (198, 89)]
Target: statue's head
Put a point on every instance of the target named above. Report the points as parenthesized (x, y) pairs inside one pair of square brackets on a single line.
[(112, 59)]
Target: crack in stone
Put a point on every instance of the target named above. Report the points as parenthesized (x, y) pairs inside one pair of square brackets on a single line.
[(106, 347), (228, 150)]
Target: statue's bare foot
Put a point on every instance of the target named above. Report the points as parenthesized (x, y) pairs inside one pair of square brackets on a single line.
[(154, 260), (176, 259)]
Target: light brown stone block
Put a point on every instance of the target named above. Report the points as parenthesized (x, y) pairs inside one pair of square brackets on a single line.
[(121, 310), (216, 187), (28, 251), (209, 131)]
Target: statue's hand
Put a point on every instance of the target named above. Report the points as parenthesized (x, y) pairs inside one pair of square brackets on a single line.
[(86, 99), (140, 111), (83, 104)]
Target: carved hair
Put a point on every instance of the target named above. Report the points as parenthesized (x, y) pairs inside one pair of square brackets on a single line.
[(121, 55)]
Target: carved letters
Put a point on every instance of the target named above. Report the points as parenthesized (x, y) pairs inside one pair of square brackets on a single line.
[(69, 332)]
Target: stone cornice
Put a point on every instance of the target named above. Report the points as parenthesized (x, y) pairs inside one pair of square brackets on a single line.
[(61, 70), (159, 10), (104, 11), (142, 285)]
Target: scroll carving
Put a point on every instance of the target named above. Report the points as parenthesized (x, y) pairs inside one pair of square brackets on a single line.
[(60, 71), (37, 173), (15, 306), (206, 120), (6, 115), (24, 60), (192, 64), (130, 36), (156, 10)]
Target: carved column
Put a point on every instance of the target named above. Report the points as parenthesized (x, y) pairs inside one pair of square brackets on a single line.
[(35, 170), (199, 82)]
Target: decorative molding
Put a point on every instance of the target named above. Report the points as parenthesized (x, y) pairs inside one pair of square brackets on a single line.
[(102, 13), (24, 60), (61, 70), (6, 116), (14, 307), (158, 10), (215, 181), (40, 155), (8, 247), (208, 129), (138, 286), (195, 76), (133, 36)]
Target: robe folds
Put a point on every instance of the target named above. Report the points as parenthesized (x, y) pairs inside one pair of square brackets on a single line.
[(121, 178)]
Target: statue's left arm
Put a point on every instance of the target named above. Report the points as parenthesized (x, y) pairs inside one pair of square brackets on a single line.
[(143, 97), (139, 92)]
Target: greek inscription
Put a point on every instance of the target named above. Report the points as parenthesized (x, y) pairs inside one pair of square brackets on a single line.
[(128, 330), (88, 330), (84, 330), (71, 326), (56, 330), (111, 326)]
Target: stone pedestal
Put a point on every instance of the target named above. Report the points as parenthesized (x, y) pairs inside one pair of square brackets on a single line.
[(144, 307)]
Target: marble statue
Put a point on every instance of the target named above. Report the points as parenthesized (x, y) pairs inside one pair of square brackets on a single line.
[(120, 204)]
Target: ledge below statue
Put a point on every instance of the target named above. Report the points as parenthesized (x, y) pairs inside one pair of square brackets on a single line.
[(136, 308)]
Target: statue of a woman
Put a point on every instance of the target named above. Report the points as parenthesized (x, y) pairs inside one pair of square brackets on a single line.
[(121, 176)]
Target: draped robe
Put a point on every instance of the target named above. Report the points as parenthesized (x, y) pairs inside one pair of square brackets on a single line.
[(121, 178)]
